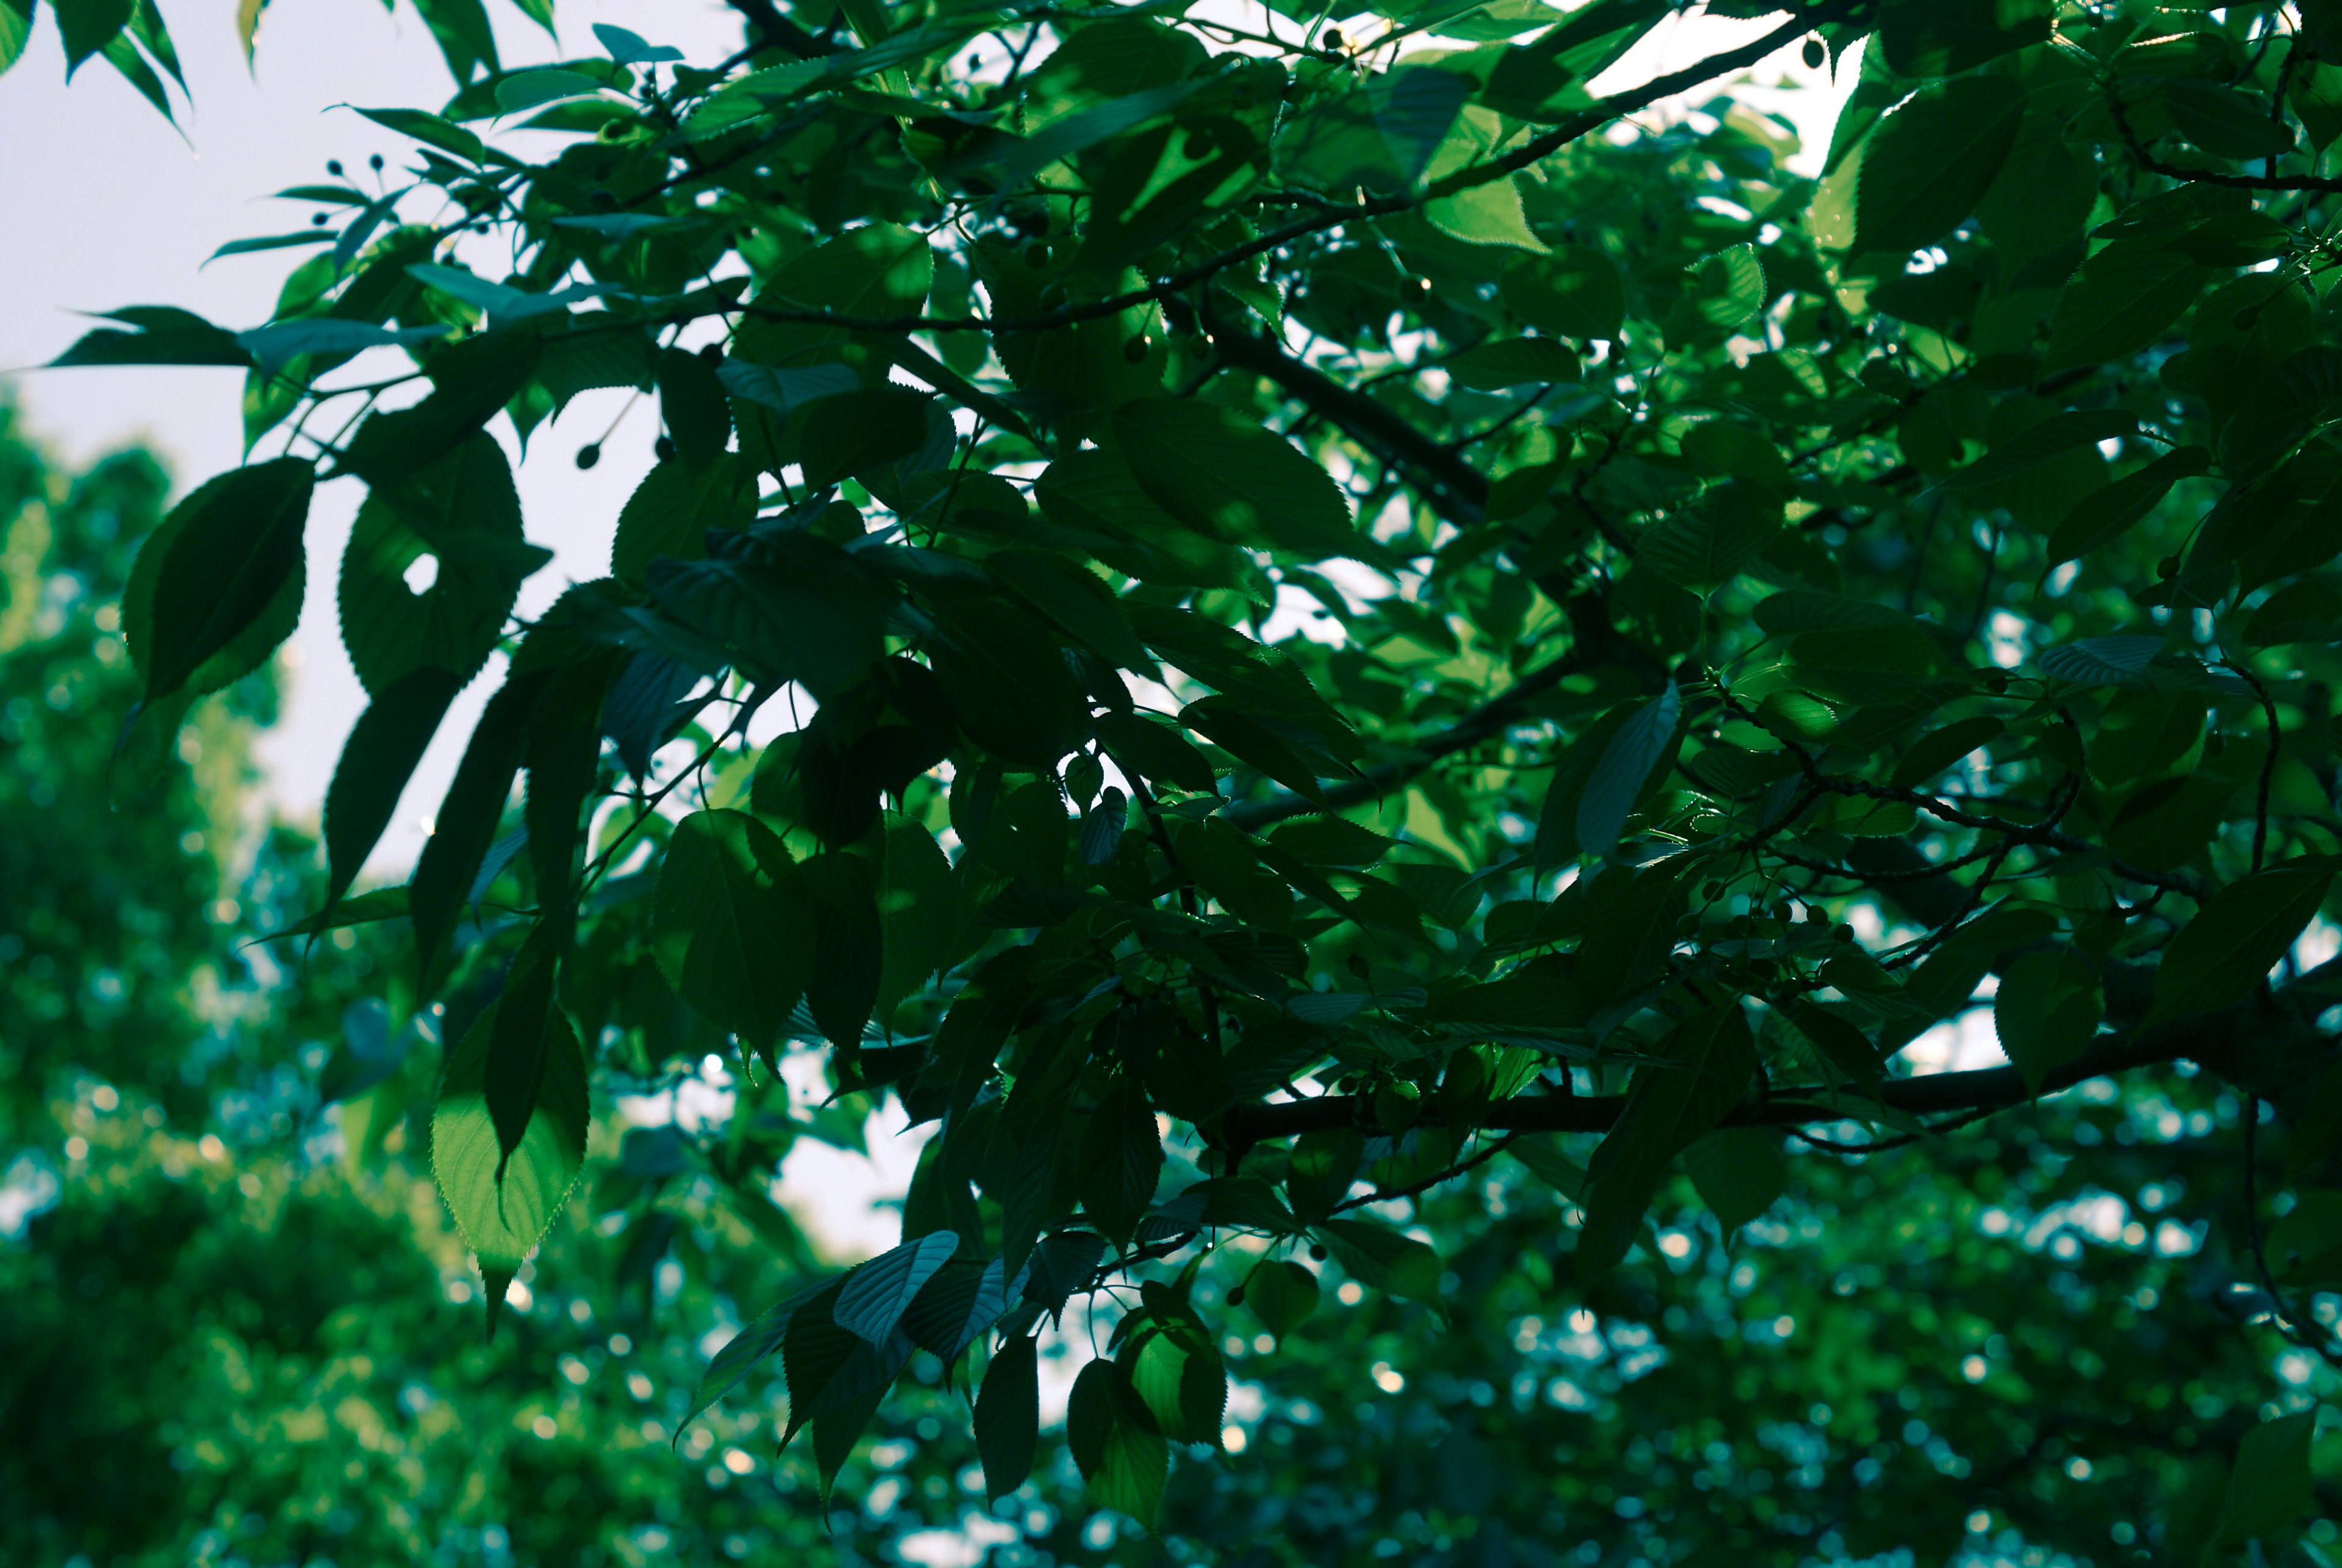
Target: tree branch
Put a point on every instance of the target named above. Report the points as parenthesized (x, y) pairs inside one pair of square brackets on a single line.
[(2208, 1038)]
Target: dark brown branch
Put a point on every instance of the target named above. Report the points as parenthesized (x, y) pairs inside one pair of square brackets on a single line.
[(2155, 166), (2204, 1037)]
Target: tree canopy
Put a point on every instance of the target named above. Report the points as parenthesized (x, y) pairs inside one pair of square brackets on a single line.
[(1404, 684)]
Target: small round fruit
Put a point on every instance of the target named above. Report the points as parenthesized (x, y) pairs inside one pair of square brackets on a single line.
[(664, 447), (1137, 348), (1318, 1252), (1815, 55), (589, 455), (334, 167), (712, 353), (1236, 1296)]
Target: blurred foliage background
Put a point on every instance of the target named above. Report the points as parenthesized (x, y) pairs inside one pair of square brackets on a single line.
[(236, 1327)]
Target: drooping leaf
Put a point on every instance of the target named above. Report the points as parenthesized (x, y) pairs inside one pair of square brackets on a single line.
[(1007, 1415), (505, 1203), (377, 760)]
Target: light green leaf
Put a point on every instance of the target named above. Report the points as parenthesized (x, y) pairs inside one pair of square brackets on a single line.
[(502, 1219)]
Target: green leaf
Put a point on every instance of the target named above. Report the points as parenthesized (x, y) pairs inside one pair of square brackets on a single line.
[(2123, 299), (472, 381), (88, 26), (671, 511), (1121, 1160), (165, 336), (919, 912), (1132, 1471), (1381, 1258), (2240, 934), (876, 270), (1485, 214), (2046, 1010), (367, 909), (466, 827), (632, 48), (224, 559), (432, 131), (1668, 1108), (1705, 548), (1007, 684), (464, 516), (2103, 516), (1929, 757), (1616, 782), (1077, 599), (734, 927), (2039, 443), (1739, 1172), (745, 1351), (852, 433), (1841, 1043), (1155, 751), (1727, 288), (1008, 1416), (503, 1216), (2224, 122), (524, 1038), (2113, 661), (878, 1294), (2271, 1489), (1283, 1294), (380, 756), (847, 963), (15, 30), (1943, 37), (1215, 470), (1930, 162), (1557, 836), (1496, 366), (795, 608), (462, 31), (1574, 292), (1413, 107), (1175, 1369)]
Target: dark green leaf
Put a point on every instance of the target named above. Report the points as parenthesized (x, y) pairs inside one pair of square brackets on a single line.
[(2046, 1010), (377, 760), (1739, 1172), (2238, 936), (878, 1294), (734, 927), (1668, 1108), (1009, 1414), (1217, 471), (1930, 162)]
